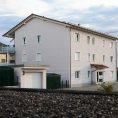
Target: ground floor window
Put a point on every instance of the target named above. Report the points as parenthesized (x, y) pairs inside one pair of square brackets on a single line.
[(77, 74), (88, 74)]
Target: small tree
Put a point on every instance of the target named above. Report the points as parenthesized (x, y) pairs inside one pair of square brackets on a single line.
[(106, 87)]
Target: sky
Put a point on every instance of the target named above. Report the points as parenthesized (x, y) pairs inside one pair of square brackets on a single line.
[(100, 15)]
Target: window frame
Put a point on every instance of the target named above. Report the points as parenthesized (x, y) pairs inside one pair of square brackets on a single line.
[(77, 56), (77, 74), (77, 37), (93, 57), (38, 59), (93, 40), (38, 38), (88, 39), (89, 73), (111, 59)]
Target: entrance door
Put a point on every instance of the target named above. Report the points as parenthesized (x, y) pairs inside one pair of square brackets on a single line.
[(100, 76)]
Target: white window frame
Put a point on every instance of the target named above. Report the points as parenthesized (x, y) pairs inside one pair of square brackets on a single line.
[(38, 57), (77, 37), (103, 58), (111, 58), (77, 74), (38, 38), (93, 40), (112, 73), (24, 57), (89, 74), (103, 43), (89, 57), (24, 40), (111, 45), (88, 39), (93, 57), (77, 56)]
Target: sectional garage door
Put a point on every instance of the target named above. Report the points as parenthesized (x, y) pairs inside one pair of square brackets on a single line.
[(31, 80)]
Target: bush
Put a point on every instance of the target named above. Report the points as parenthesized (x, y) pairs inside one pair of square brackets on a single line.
[(106, 87)]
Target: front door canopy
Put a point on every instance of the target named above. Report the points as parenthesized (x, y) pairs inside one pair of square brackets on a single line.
[(99, 66)]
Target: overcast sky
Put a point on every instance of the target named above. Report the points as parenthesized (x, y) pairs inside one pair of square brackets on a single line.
[(101, 15)]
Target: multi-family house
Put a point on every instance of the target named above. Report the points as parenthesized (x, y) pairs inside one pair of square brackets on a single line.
[(7, 54), (78, 54)]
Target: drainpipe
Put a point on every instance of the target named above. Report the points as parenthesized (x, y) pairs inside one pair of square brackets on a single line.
[(116, 60), (70, 57)]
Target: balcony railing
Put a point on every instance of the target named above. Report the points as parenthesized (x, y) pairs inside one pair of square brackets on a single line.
[(7, 49)]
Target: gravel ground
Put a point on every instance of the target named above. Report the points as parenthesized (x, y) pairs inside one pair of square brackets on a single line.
[(15, 104)]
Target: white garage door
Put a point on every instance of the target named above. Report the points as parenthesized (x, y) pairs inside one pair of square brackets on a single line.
[(31, 80)]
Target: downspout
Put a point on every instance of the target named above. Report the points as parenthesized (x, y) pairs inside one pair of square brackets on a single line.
[(116, 59), (70, 57)]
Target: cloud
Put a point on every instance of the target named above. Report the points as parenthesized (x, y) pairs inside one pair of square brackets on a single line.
[(96, 14)]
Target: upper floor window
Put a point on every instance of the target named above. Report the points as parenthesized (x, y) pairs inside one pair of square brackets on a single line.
[(93, 57), (111, 74), (38, 38), (111, 58), (111, 44), (103, 58), (3, 60), (38, 56), (77, 74), (77, 56), (103, 43), (88, 39), (88, 74), (24, 40), (77, 37), (24, 57), (88, 56), (93, 40)]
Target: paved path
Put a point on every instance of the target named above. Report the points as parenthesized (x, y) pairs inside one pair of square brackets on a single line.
[(92, 88)]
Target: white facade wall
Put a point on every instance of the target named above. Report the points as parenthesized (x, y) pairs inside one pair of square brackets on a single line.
[(57, 52), (83, 65), (54, 46)]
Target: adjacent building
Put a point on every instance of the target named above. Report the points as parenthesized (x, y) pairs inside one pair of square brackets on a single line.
[(7, 54), (78, 54)]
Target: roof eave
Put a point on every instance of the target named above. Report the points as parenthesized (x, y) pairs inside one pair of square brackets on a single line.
[(94, 32)]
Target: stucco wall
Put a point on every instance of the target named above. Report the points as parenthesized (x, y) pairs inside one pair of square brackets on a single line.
[(54, 46), (84, 65)]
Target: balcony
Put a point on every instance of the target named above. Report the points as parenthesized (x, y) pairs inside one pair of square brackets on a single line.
[(7, 49)]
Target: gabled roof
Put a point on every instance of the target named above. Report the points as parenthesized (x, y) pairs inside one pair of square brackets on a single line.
[(11, 32)]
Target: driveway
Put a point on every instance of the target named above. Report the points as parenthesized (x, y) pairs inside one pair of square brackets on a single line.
[(92, 88)]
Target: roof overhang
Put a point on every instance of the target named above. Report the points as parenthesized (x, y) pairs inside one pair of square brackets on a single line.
[(11, 32), (98, 66)]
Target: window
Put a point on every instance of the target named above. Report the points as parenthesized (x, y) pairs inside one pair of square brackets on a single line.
[(93, 57), (77, 74), (111, 58), (38, 56), (111, 44), (103, 58), (38, 38), (24, 57), (103, 43), (111, 74), (88, 74), (77, 37), (3, 60), (88, 39), (77, 56), (93, 40), (88, 56), (24, 40)]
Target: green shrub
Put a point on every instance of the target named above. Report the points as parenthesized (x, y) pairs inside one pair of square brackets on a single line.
[(106, 87)]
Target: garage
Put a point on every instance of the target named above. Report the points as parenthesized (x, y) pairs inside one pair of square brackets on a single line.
[(33, 77)]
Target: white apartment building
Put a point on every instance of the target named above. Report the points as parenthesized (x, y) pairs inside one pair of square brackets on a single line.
[(78, 54)]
